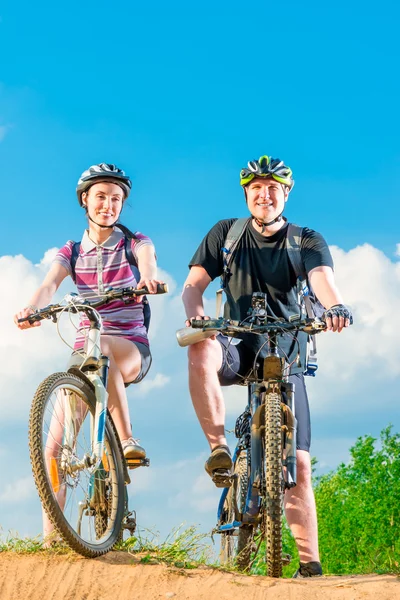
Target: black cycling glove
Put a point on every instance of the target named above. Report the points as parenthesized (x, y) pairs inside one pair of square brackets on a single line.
[(338, 310)]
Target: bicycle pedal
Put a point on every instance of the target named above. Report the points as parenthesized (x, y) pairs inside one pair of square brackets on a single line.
[(130, 525), (134, 463), (222, 478), (286, 559)]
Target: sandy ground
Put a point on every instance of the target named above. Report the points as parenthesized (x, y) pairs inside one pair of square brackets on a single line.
[(118, 576)]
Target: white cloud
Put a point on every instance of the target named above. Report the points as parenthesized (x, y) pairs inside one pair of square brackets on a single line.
[(147, 385), (47, 259), (397, 253), (360, 365), (18, 491), (26, 357)]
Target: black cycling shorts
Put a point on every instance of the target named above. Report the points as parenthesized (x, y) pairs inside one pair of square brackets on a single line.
[(236, 363)]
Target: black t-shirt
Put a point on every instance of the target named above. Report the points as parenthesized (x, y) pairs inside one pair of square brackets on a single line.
[(261, 264)]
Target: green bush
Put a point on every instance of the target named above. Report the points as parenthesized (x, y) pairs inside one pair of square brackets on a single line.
[(358, 509)]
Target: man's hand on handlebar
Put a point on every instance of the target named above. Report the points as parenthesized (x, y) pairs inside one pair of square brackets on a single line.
[(188, 322), (337, 317)]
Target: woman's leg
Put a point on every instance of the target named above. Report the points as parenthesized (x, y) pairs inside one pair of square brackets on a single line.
[(125, 365), (76, 412)]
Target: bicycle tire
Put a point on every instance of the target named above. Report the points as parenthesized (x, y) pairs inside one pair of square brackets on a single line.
[(70, 382), (236, 546), (273, 483), (102, 518)]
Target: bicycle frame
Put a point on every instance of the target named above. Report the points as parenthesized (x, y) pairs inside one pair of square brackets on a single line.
[(273, 372), (95, 366)]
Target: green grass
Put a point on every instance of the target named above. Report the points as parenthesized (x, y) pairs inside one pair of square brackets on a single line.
[(13, 543), (183, 547)]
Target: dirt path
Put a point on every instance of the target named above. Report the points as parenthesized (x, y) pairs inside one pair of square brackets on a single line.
[(119, 576)]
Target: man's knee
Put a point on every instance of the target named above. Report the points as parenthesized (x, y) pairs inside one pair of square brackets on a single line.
[(205, 355)]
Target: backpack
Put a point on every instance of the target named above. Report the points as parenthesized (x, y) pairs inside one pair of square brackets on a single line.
[(312, 305), (129, 236)]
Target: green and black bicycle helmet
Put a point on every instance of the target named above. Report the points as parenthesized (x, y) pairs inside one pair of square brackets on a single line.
[(103, 172), (267, 166)]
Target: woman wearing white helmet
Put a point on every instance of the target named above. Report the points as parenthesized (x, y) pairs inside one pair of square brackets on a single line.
[(104, 258)]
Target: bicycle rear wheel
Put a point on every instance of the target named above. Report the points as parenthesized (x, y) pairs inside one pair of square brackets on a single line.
[(237, 544), (273, 483), (85, 506)]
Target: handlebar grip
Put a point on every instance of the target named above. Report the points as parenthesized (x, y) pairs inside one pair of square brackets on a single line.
[(32, 318), (206, 323), (162, 288)]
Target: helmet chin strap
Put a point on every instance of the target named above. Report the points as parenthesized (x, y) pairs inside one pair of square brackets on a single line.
[(263, 225)]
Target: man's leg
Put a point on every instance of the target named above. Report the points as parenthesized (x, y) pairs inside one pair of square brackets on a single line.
[(205, 360), (300, 511)]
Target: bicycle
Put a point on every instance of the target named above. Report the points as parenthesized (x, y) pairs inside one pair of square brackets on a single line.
[(77, 460), (264, 461)]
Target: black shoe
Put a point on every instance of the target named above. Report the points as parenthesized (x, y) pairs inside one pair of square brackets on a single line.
[(219, 466), (310, 569)]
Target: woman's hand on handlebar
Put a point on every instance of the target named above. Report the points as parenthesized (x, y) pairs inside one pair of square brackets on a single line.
[(150, 284), (23, 314)]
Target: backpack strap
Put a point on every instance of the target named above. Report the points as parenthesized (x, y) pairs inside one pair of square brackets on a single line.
[(74, 257), (293, 247), (232, 240), (134, 267)]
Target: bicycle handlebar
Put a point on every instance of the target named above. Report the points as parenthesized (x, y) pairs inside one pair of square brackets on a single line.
[(51, 310), (202, 329), (308, 325)]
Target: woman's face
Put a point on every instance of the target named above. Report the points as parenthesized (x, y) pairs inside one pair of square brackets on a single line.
[(104, 202)]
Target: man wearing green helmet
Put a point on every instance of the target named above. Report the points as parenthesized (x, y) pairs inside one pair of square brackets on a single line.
[(260, 263)]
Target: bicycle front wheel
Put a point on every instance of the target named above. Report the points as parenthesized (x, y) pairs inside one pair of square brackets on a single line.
[(86, 506), (273, 483), (237, 544)]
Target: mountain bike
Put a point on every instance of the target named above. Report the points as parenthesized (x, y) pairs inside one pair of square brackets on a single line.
[(264, 461), (77, 460)]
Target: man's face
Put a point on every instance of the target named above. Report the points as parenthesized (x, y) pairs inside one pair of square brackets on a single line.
[(266, 198), (104, 202)]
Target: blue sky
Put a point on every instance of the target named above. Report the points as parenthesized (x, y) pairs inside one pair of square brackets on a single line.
[(181, 96)]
